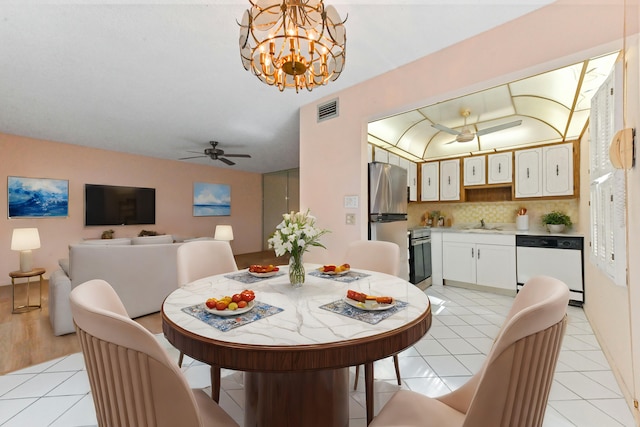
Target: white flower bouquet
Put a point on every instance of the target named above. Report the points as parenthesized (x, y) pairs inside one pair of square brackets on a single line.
[(294, 235)]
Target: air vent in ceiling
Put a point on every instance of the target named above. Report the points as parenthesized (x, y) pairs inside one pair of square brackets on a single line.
[(328, 110)]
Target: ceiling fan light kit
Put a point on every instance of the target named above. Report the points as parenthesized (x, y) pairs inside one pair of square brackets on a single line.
[(292, 43)]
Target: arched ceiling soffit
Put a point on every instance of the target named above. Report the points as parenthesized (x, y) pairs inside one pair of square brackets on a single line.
[(553, 107)]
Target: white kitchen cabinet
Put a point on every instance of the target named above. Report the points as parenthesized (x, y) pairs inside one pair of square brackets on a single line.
[(380, 155), (436, 258), (481, 259), (528, 173), (412, 176), (558, 170), (394, 159), (430, 188), (499, 168), (458, 261), (546, 171), (474, 173), (496, 265), (450, 179)]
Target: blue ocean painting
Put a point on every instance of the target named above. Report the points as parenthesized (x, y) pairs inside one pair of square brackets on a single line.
[(211, 199), (38, 197)]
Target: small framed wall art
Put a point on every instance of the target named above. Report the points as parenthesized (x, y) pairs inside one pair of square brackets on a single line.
[(37, 197), (211, 199)]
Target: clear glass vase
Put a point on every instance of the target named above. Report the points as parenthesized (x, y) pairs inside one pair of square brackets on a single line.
[(296, 270)]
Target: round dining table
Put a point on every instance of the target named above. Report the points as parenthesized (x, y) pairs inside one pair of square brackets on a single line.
[(295, 346)]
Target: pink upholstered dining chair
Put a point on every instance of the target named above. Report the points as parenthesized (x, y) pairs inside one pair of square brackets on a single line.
[(512, 387), (198, 259), (383, 257), (202, 258), (133, 380)]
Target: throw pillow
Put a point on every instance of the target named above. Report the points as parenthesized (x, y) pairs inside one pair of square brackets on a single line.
[(152, 240)]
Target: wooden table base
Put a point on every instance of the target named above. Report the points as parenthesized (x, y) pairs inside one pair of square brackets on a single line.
[(297, 399)]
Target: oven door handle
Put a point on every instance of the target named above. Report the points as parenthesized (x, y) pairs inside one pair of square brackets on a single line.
[(418, 242)]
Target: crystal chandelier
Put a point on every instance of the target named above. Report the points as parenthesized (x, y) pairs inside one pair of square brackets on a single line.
[(292, 43)]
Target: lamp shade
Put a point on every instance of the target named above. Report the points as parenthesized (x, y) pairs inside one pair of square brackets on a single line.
[(25, 239), (223, 232)]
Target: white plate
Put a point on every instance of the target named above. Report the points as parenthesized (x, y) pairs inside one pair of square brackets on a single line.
[(333, 273), (267, 274), (227, 312), (369, 305)]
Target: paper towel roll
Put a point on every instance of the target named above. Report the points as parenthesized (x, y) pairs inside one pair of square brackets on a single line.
[(522, 222)]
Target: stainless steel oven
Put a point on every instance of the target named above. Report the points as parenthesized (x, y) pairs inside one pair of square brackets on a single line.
[(419, 254)]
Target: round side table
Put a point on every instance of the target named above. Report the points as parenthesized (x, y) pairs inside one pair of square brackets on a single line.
[(25, 275)]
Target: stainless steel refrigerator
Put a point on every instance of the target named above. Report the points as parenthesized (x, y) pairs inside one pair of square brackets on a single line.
[(388, 209)]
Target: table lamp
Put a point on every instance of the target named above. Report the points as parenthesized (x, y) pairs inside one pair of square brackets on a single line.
[(223, 232), (24, 240)]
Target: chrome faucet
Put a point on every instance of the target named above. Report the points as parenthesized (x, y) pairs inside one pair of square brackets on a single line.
[(482, 224)]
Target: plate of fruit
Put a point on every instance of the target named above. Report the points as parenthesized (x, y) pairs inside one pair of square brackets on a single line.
[(231, 305), (335, 270), (257, 270), (368, 302)]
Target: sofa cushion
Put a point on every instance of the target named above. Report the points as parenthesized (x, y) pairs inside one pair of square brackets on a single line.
[(152, 240), (64, 265), (120, 241)]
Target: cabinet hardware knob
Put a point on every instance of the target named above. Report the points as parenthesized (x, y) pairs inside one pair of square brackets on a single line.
[(473, 170), (557, 170), (499, 167), (471, 252), (478, 253), (449, 180), (527, 172)]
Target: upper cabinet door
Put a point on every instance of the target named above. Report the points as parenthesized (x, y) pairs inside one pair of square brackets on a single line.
[(380, 155), (430, 187), (499, 168), (528, 173), (558, 170), (450, 179), (474, 170)]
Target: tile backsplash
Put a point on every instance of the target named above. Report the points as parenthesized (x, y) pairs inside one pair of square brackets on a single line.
[(491, 212)]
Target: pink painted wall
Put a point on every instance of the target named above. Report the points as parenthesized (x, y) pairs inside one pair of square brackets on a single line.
[(173, 181), (562, 33)]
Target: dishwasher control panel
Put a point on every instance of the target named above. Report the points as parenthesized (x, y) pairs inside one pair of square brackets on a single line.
[(557, 242)]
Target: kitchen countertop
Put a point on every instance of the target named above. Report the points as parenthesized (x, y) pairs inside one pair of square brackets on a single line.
[(501, 228)]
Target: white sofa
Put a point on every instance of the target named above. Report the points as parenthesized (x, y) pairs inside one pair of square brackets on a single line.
[(141, 270)]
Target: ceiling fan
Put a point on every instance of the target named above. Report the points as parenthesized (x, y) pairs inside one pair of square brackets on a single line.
[(216, 154), (467, 134)]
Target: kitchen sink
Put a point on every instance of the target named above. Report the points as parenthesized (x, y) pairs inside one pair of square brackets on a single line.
[(479, 228)]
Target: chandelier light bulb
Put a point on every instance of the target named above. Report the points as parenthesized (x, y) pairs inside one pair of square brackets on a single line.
[(306, 43)]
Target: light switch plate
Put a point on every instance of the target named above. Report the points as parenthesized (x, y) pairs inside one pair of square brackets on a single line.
[(350, 219), (350, 201)]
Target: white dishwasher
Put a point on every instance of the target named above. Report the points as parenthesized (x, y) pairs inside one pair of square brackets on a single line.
[(556, 256)]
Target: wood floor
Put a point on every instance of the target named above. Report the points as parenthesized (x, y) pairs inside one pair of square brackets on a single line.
[(27, 338)]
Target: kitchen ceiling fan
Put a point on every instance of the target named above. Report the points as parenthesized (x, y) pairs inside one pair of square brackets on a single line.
[(215, 154), (467, 134)]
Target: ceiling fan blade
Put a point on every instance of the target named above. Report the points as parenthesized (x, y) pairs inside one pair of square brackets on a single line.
[(445, 129), (192, 157), (227, 161), (194, 152), (237, 155), (499, 127)]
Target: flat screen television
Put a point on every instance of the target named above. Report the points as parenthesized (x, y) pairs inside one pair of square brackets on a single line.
[(116, 205)]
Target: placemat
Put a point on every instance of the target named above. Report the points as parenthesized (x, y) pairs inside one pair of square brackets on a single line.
[(372, 317), (246, 278), (226, 323), (345, 278)]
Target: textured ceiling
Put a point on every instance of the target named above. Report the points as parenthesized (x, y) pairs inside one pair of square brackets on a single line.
[(163, 79)]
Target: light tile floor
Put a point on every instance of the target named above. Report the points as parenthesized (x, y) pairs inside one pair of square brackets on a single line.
[(584, 392)]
